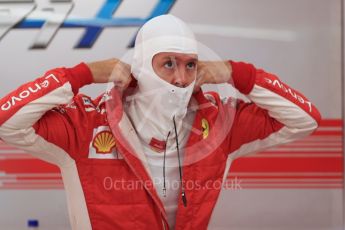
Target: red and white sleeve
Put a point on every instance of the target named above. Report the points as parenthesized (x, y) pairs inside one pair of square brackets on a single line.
[(277, 113), (21, 110)]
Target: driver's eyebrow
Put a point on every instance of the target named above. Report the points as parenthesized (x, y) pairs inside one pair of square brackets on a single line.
[(193, 60), (189, 59), (168, 58)]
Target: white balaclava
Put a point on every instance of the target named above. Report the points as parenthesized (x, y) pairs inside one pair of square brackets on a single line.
[(156, 101)]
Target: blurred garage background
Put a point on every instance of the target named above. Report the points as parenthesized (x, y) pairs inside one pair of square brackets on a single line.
[(296, 186)]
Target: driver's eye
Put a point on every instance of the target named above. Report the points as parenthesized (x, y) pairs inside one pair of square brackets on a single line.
[(169, 65), (191, 65)]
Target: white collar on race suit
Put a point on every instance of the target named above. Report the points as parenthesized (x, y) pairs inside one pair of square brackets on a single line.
[(156, 101)]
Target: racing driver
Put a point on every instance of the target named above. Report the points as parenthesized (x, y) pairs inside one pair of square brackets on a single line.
[(120, 154)]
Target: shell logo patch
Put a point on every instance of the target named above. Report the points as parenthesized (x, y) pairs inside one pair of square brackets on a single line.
[(205, 128), (104, 142)]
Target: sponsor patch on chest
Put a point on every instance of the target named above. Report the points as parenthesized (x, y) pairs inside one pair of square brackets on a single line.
[(103, 144)]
